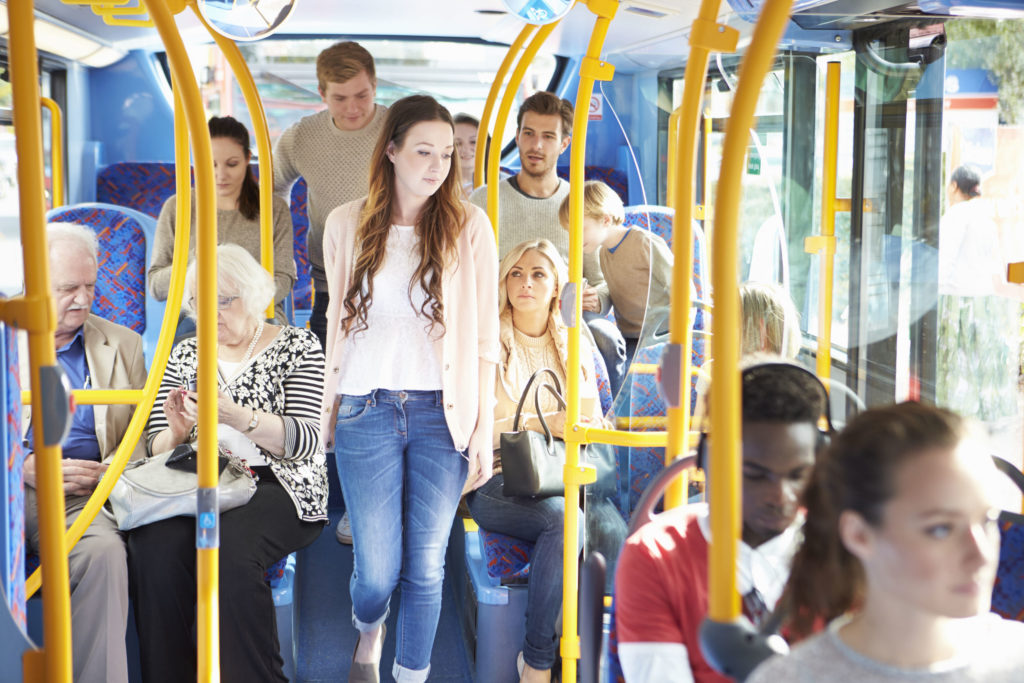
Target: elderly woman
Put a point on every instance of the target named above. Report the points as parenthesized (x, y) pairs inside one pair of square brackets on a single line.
[(270, 384)]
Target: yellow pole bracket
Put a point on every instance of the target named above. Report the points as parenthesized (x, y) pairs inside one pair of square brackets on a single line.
[(596, 69), (29, 313), (713, 37), (1015, 273), (820, 244)]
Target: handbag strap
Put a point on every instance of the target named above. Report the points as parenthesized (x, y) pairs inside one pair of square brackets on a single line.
[(526, 392), (540, 415)]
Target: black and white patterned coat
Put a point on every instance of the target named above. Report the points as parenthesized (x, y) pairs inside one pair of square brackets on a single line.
[(285, 379)]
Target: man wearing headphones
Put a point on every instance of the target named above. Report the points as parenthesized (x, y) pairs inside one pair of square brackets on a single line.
[(662, 584)]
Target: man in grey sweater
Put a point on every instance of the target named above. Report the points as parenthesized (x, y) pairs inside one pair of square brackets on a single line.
[(331, 150), (528, 204)]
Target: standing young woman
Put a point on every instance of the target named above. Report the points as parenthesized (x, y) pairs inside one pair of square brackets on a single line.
[(238, 215), (900, 550), (412, 342)]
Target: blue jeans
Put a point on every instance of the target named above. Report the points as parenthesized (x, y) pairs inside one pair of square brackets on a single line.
[(402, 478), (540, 521), (612, 347)]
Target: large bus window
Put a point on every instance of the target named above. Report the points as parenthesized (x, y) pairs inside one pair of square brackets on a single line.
[(458, 74)]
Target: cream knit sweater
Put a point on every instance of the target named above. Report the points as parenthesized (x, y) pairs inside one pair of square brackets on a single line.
[(335, 164)]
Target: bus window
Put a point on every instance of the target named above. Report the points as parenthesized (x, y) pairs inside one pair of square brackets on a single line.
[(458, 74)]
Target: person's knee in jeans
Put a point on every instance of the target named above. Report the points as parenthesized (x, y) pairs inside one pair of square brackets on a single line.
[(611, 345)]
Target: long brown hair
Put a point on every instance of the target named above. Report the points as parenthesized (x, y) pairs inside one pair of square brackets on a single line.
[(857, 473), (438, 226), (232, 129)]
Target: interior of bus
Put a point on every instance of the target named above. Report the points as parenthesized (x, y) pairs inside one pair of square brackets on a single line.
[(842, 180)]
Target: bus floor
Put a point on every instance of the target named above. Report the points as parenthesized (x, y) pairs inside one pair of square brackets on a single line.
[(321, 632), (324, 635)]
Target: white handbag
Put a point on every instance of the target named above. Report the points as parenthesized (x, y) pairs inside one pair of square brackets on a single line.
[(149, 490)]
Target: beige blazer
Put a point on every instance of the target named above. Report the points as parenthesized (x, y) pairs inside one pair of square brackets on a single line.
[(114, 355)]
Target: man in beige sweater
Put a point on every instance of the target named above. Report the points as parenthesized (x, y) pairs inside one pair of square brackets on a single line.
[(528, 204), (331, 150)]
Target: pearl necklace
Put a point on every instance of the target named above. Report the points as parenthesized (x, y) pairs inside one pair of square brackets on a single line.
[(252, 345)]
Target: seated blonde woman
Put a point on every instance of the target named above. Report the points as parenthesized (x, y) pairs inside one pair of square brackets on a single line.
[(533, 336)]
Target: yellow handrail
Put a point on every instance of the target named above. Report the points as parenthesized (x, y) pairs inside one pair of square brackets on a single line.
[(259, 123), (723, 600), (575, 474), (147, 395), (56, 151), (35, 313), (705, 36), (494, 153), (485, 118), (671, 162), (101, 397), (207, 542), (825, 244)]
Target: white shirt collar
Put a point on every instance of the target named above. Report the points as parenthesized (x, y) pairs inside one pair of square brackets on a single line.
[(765, 567)]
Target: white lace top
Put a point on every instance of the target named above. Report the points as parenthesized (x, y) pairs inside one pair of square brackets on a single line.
[(397, 330)]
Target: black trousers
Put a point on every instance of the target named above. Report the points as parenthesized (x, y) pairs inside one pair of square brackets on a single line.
[(162, 573), (318, 318)]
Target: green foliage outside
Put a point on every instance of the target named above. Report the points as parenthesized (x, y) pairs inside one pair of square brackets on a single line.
[(995, 45)]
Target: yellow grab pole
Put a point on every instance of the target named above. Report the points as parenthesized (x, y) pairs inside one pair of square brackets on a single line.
[(56, 151), (485, 118), (825, 244), (494, 153), (259, 124), (147, 395), (723, 599), (575, 474), (670, 163), (35, 313), (207, 518), (705, 36)]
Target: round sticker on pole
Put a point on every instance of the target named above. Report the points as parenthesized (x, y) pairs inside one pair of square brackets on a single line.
[(539, 12), (246, 19)]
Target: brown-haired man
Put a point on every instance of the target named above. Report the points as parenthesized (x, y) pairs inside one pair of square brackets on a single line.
[(528, 204), (331, 150)]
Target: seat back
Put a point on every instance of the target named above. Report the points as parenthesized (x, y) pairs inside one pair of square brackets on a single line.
[(145, 186), (12, 514), (612, 177), (125, 247)]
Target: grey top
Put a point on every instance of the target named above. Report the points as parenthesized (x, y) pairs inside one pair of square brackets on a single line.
[(992, 654)]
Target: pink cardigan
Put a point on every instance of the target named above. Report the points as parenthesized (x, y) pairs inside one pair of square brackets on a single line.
[(469, 291)]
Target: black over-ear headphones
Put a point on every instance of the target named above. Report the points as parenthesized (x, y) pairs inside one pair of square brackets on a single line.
[(749, 373)]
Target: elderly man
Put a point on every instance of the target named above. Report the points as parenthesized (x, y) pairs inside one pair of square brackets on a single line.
[(95, 354)]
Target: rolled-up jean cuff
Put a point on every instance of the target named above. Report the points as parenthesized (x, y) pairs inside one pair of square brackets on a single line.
[(365, 627), (403, 675)]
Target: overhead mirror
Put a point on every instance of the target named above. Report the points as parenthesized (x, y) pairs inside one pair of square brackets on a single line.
[(246, 19), (539, 12)]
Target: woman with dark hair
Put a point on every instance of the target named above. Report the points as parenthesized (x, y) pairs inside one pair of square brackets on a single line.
[(900, 549), (412, 343), (238, 215), (978, 314)]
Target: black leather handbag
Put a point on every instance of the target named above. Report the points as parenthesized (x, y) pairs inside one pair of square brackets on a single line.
[(531, 462)]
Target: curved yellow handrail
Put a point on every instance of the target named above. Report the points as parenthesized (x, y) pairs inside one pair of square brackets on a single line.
[(35, 313), (147, 395), (207, 634), (492, 95), (494, 153), (825, 244), (723, 599), (705, 36), (56, 151), (673, 154), (259, 123), (575, 475)]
